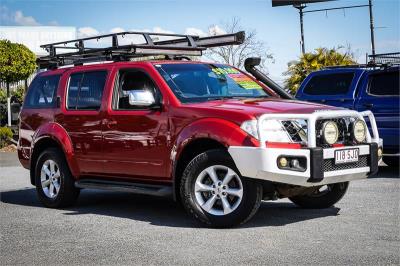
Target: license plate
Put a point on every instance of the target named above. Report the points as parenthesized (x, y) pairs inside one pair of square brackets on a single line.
[(346, 156)]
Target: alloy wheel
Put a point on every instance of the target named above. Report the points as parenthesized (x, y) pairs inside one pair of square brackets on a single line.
[(218, 190), (50, 179)]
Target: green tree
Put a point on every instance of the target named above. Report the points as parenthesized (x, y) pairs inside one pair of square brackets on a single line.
[(17, 63), (309, 62)]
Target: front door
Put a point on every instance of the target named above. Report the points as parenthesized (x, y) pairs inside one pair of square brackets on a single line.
[(135, 138)]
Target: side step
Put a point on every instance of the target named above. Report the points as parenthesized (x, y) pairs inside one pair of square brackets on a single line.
[(154, 190)]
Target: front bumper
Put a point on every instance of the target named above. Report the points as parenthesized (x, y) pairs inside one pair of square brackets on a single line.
[(261, 163)]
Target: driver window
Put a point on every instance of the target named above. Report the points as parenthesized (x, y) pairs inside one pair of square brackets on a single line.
[(130, 81)]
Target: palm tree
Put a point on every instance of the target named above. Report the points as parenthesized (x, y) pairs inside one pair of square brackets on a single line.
[(309, 62)]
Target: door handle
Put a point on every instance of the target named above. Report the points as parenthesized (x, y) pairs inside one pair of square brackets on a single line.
[(111, 123), (369, 105)]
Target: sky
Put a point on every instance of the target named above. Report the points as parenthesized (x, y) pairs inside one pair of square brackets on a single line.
[(277, 27)]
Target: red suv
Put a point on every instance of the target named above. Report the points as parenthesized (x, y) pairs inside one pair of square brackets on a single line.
[(210, 135)]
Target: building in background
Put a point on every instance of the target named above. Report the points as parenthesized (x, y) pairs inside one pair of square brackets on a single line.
[(34, 36)]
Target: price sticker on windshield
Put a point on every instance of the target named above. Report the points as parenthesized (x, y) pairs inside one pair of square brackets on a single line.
[(245, 82)]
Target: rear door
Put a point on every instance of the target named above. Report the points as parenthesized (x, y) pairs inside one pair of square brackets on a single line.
[(380, 94), (332, 87), (81, 116)]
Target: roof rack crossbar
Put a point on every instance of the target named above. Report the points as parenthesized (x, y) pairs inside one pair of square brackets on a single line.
[(175, 45)]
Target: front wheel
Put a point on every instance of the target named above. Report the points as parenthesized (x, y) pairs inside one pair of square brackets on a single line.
[(323, 197), (214, 193)]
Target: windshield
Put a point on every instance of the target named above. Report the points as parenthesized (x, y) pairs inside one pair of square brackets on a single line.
[(204, 82)]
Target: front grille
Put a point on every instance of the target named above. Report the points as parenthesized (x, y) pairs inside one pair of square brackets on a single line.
[(329, 164), (296, 131)]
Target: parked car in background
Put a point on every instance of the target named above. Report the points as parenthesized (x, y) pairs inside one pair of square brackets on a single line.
[(361, 88)]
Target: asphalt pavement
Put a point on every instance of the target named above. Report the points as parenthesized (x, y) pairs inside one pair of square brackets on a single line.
[(111, 228)]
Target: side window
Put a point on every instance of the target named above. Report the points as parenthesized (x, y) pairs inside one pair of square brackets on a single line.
[(42, 91), (85, 90), (384, 84), (329, 84), (129, 81)]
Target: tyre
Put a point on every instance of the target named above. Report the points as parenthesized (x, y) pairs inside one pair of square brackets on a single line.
[(54, 182), (392, 161), (214, 193), (325, 197)]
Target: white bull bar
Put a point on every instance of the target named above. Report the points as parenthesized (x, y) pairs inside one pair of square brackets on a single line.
[(261, 162)]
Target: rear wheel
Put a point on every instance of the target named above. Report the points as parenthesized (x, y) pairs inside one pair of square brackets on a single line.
[(54, 182), (324, 197), (214, 193)]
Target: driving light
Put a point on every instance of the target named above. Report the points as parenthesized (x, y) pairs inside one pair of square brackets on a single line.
[(330, 132), (359, 131)]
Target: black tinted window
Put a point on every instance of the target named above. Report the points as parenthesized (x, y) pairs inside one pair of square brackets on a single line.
[(73, 88), (331, 84), (85, 90), (384, 84), (42, 91)]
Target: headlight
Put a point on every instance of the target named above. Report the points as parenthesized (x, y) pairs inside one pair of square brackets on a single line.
[(330, 132), (271, 130), (359, 131), (274, 131), (250, 127)]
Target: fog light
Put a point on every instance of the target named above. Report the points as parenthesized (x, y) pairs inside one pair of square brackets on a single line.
[(380, 153), (283, 162)]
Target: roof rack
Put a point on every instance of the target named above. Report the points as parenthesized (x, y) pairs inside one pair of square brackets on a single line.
[(369, 65), (388, 58), (124, 46)]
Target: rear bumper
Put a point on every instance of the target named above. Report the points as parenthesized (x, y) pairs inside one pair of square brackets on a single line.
[(320, 169)]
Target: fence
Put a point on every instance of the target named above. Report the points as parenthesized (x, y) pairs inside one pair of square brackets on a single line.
[(13, 86)]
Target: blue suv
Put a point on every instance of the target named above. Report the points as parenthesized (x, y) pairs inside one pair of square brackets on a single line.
[(361, 88)]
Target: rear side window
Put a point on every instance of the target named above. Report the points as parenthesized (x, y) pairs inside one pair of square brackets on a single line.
[(42, 91), (384, 84), (331, 84), (85, 90)]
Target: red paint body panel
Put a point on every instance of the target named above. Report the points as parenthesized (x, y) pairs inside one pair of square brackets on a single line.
[(140, 144)]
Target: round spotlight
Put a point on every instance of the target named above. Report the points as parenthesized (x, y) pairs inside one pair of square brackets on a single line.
[(330, 132), (359, 131)]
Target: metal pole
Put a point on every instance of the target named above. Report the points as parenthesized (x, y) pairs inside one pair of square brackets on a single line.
[(300, 8), (371, 25), (8, 105), (303, 49)]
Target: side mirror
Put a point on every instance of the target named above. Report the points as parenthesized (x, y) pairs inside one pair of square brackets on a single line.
[(142, 98)]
